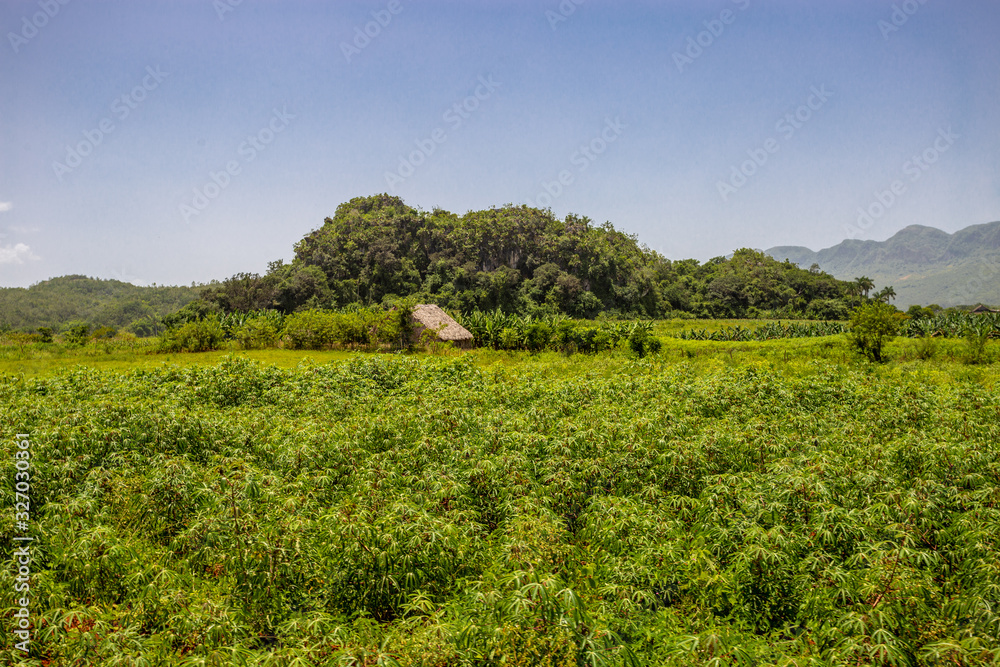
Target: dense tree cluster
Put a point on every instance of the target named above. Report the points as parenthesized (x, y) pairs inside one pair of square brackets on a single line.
[(519, 260)]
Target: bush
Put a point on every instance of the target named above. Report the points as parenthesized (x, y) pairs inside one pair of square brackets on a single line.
[(926, 347), (46, 334), (256, 333), (510, 339), (19, 338), (145, 327), (77, 334), (976, 334), (318, 329), (642, 342), (192, 312), (104, 332), (872, 326), (827, 309), (537, 336), (310, 329), (917, 312), (196, 336), (353, 328)]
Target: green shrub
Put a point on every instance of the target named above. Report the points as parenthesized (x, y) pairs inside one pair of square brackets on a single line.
[(642, 342), (310, 330), (591, 339), (368, 327), (976, 333), (20, 338), (192, 312), (196, 336), (510, 339), (145, 327), (926, 347), (77, 334), (917, 312), (537, 336), (104, 332), (827, 309), (256, 333), (352, 328), (872, 326), (46, 334)]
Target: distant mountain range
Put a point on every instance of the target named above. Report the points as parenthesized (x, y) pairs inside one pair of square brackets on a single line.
[(923, 264)]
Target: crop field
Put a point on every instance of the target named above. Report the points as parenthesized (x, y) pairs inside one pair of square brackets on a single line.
[(724, 503)]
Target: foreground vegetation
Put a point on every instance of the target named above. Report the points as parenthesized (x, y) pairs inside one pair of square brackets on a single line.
[(742, 503)]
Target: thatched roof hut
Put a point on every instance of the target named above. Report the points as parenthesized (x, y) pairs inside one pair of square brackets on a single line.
[(430, 316)]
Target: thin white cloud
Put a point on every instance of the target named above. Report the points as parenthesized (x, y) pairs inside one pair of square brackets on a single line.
[(16, 254), (5, 206), (21, 229)]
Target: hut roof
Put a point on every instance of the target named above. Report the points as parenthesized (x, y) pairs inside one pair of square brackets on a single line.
[(432, 317)]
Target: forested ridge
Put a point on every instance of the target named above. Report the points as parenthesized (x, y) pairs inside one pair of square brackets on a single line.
[(61, 302), (520, 260)]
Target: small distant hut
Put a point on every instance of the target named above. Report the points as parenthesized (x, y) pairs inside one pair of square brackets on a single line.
[(430, 316), (984, 309)]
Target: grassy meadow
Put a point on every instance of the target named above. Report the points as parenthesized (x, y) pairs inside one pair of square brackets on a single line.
[(726, 503)]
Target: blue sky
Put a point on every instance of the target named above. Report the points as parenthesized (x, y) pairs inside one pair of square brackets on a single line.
[(187, 140)]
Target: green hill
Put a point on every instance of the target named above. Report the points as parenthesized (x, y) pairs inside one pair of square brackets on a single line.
[(923, 264), (53, 303), (520, 260)]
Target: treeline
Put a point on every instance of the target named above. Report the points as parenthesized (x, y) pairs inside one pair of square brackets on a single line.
[(523, 261), (502, 331), (513, 259), (767, 331), (69, 302), (196, 328)]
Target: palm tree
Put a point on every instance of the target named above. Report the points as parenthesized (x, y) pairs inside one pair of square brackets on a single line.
[(853, 290), (885, 294), (865, 284)]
